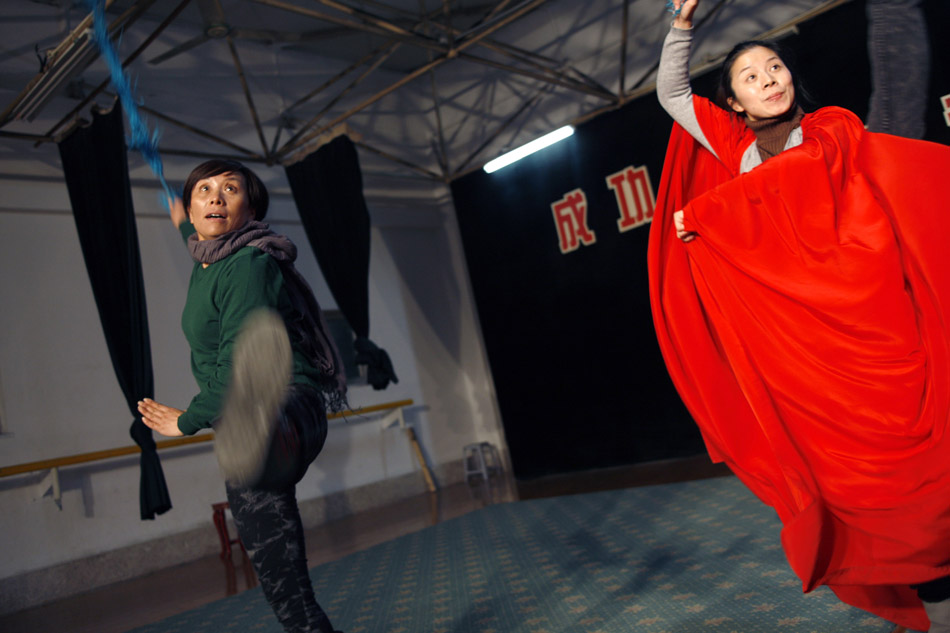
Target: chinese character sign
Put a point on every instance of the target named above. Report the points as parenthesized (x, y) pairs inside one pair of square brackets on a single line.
[(570, 217), (634, 196)]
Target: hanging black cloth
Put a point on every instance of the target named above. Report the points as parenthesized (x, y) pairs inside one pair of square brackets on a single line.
[(97, 176), (328, 189)]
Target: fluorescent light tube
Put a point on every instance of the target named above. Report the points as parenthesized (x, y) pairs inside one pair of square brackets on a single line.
[(526, 150), (65, 63)]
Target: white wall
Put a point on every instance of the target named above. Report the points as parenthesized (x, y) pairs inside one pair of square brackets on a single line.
[(60, 396)]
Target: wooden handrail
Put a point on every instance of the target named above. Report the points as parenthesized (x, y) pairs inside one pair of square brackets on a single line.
[(46, 464)]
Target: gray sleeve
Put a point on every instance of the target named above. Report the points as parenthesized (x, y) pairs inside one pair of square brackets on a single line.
[(672, 83)]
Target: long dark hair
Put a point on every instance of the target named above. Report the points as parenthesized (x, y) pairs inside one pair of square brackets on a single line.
[(724, 90), (257, 196)]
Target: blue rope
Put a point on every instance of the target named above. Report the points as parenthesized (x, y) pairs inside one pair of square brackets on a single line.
[(671, 8), (140, 139)]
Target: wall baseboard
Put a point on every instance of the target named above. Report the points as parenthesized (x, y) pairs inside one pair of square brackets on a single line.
[(68, 579)]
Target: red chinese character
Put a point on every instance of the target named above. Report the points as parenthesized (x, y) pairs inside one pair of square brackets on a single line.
[(570, 218), (634, 196)]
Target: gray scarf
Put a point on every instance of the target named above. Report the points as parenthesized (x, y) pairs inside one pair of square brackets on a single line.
[(253, 233), (307, 322)]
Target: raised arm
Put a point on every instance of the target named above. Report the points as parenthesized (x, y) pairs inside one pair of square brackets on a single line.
[(176, 211), (672, 79), (684, 17)]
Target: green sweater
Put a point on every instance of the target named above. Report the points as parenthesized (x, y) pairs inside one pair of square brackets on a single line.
[(219, 299)]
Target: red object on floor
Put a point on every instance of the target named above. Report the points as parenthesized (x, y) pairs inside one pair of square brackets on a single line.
[(221, 525)]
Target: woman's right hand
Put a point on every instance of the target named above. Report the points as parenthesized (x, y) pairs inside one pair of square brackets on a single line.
[(684, 20), (160, 417)]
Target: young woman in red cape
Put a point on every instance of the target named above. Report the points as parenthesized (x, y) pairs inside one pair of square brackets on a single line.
[(800, 288)]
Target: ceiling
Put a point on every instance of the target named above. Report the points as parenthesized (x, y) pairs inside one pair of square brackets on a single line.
[(429, 89)]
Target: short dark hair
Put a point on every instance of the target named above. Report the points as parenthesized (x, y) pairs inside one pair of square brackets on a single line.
[(257, 196), (724, 90)]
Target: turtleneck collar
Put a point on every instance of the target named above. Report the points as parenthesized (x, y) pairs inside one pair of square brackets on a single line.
[(771, 135)]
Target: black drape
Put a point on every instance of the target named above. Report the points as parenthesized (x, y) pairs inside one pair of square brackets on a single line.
[(328, 188), (97, 176)]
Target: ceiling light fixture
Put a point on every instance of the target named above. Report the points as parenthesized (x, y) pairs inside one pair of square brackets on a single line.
[(526, 150), (63, 64)]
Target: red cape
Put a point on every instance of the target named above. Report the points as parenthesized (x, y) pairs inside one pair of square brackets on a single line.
[(806, 330)]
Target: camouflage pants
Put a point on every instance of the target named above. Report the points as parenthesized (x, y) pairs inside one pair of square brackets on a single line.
[(268, 520)]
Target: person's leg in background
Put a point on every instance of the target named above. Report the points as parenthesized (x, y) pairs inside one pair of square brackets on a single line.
[(899, 52), (936, 598)]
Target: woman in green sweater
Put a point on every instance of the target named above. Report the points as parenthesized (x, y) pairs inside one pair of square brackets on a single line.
[(266, 370)]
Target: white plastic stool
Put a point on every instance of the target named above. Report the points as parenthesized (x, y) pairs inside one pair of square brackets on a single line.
[(481, 459)]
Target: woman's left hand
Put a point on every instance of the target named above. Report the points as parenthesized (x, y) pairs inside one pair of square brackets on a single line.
[(160, 417), (176, 211), (680, 226)]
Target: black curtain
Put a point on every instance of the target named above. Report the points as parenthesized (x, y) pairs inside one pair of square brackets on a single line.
[(328, 189), (97, 176)]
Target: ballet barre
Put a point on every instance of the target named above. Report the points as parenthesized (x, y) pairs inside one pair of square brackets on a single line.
[(94, 456)]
